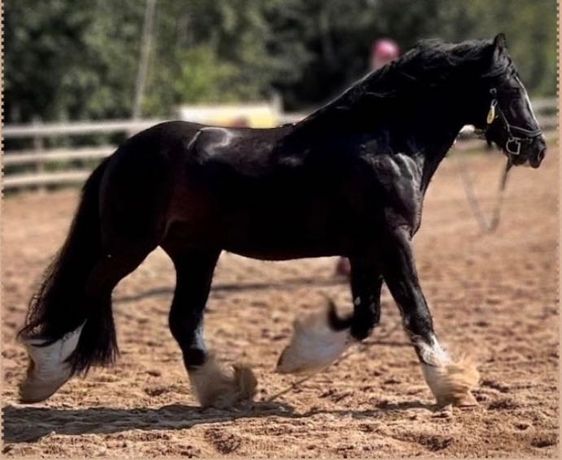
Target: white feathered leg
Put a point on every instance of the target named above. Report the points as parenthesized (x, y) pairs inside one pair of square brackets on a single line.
[(48, 369), (215, 387), (450, 382), (314, 345)]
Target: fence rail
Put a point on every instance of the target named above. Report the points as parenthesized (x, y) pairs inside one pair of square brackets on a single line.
[(545, 109), (52, 178), (76, 128), (81, 153)]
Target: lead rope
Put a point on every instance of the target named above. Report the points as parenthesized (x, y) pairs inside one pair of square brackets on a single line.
[(485, 225), (295, 385)]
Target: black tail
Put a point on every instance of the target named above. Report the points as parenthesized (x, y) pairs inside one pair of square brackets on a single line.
[(59, 305)]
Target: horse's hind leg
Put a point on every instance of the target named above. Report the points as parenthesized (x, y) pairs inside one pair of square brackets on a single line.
[(121, 218), (94, 342), (194, 273)]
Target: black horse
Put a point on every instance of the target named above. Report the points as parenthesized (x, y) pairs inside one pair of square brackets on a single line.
[(348, 180)]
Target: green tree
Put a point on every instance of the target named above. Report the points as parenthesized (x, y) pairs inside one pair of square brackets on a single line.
[(330, 40), (64, 61), (75, 60), (209, 51)]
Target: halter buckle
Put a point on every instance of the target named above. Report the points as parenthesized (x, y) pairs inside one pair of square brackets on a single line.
[(511, 141), (492, 112)]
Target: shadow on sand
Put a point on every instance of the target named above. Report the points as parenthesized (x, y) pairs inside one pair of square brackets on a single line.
[(30, 424), (290, 283)]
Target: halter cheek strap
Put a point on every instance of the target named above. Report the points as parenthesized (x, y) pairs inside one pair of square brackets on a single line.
[(514, 141)]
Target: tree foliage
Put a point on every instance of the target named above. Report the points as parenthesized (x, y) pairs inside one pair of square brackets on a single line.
[(66, 59)]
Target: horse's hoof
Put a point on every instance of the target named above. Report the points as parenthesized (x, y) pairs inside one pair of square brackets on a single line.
[(213, 387), (34, 389), (451, 383), (467, 400), (314, 345), (48, 368)]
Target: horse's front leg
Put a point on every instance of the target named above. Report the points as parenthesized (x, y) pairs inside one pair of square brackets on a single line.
[(366, 284), (449, 381)]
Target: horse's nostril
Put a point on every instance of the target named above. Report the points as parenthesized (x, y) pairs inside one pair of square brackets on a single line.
[(540, 155), (536, 160)]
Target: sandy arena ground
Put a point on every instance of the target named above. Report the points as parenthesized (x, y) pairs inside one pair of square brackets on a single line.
[(493, 296)]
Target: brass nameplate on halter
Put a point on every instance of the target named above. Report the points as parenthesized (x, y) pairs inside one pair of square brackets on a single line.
[(492, 112)]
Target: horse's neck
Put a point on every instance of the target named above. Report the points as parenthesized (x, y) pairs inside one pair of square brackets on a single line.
[(435, 151), (427, 140), (428, 133)]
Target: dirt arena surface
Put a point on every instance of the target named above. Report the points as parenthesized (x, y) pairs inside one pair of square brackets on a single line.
[(493, 296)]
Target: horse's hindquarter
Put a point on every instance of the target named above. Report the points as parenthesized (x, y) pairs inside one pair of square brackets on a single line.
[(139, 181)]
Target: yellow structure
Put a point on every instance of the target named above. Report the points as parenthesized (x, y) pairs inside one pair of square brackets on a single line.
[(259, 115)]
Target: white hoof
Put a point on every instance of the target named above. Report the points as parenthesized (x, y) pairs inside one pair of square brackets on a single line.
[(314, 345), (48, 369), (451, 383), (214, 387)]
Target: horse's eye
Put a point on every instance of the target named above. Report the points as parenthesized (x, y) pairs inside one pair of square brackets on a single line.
[(514, 104), (511, 92)]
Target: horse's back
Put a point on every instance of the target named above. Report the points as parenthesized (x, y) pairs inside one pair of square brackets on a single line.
[(245, 151), (241, 149)]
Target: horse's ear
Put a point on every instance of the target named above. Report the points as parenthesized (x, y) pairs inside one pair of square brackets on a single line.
[(498, 48), (500, 42)]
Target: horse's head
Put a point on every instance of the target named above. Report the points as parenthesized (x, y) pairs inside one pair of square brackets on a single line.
[(506, 114)]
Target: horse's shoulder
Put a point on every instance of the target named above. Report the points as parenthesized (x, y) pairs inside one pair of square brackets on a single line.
[(399, 177), (394, 169)]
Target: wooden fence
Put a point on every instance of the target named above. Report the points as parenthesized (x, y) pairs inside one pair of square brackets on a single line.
[(39, 157)]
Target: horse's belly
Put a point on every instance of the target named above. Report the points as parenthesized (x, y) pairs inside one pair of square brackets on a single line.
[(283, 240), (266, 224), (284, 253)]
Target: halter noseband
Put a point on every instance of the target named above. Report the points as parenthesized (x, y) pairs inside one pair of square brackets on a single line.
[(515, 134)]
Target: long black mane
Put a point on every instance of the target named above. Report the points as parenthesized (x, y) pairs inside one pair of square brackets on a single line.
[(430, 65)]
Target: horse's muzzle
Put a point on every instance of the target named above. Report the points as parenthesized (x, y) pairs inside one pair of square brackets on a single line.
[(536, 159), (534, 153)]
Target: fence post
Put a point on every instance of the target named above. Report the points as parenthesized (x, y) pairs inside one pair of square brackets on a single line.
[(39, 147)]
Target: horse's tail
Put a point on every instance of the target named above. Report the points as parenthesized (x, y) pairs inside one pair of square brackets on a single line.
[(58, 311)]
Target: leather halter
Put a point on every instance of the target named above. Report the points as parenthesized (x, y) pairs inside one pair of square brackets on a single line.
[(515, 134)]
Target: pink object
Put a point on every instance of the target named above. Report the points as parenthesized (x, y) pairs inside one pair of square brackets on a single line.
[(383, 51), (343, 267)]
